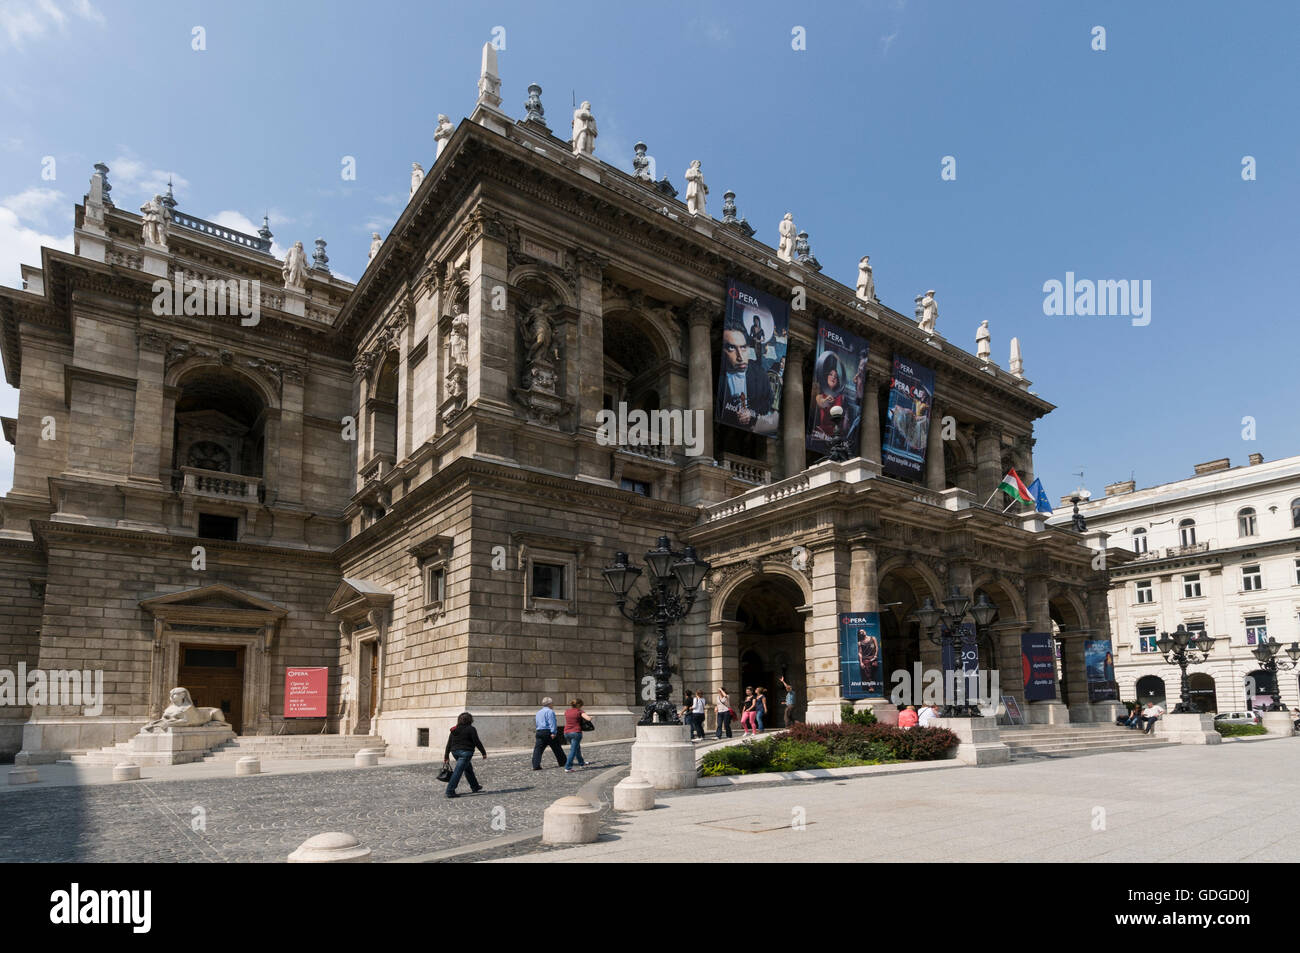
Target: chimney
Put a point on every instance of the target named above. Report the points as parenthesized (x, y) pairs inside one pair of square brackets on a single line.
[(1256, 459), (1118, 489), (1211, 466)]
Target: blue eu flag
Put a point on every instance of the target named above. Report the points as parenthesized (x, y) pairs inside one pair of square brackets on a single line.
[(1040, 497)]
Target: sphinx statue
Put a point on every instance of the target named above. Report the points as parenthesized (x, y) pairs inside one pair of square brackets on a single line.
[(182, 713)]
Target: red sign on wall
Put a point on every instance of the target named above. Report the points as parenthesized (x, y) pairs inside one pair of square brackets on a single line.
[(305, 690)]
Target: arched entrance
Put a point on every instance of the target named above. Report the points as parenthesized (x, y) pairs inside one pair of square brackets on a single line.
[(1151, 688), (1261, 689), (1067, 622), (901, 590), (770, 640), (1200, 688)]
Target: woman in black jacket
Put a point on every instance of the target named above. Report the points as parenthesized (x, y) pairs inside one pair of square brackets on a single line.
[(461, 742)]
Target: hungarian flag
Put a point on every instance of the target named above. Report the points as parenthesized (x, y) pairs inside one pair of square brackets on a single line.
[(1015, 488)]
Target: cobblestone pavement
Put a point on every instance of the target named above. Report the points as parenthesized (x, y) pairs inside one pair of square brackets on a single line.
[(397, 811)]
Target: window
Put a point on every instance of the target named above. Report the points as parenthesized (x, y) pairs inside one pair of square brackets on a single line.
[(1252, 579), (432, 556), (435, 584), (1297, 572), (1246, 522), (1192, 586), (634, 486), (1144, 591), (1139, 540), (1187, 532), (548, 581), (1256, 630), (212, 526), (1295, 513), (1147, 639)]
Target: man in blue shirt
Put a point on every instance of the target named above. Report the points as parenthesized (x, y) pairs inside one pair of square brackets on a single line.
[(548, 735)]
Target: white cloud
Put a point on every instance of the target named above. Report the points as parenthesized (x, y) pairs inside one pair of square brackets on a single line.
[(21, 244), (34, 205), (23, 20), (131, 177), (241, 223)]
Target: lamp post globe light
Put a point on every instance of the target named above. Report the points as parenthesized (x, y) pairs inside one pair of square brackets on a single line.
[(1266, 654), (674, 580), (839, 451), (1182, 648), (940, 624)]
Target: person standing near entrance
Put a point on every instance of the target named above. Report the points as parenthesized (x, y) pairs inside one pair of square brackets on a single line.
[(573, 719), (724, 713), (789, 701), (697, 713), (547, 736), (747, 714), (461, 742), (760, 708)]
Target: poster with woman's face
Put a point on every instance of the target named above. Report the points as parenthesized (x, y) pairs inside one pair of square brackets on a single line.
[(839, 376)]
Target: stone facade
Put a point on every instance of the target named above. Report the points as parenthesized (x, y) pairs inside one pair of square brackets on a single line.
[(404, 481)]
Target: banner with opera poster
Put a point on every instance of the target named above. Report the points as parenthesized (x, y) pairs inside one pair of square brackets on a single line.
[(1099, 662), (911, 396), (1038, 664), (752, 371), (861, 666), (839, 377)]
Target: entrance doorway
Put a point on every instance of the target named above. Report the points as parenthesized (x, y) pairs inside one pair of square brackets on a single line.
[(1200, 689), (771, 644), (214, 675), (1151, 688)]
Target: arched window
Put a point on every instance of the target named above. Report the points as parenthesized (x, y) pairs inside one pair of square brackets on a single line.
[(1295, 513), (1187, 532), (1246, 521), (1140, 540)]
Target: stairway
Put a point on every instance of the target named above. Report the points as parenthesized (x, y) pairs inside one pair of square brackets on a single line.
[(1067, 741), (294, 747), (265, 747)]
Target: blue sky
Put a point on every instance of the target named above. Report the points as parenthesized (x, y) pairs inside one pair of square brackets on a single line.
[(1116, 164)]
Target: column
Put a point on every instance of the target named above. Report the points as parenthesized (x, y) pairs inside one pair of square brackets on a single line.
[(792, 408), (1049, 711), (870, 429), (588, 371), (934, 473), (701, 316), (724, 665), (988, 460), (146, 442), (288, 447), (830, 580), (864, 596)]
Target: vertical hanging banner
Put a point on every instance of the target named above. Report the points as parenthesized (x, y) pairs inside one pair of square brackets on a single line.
[(1038, 662), (911, 395), (304, 692), (839, 378), (752, 372), (1100, 664), (861, 667)]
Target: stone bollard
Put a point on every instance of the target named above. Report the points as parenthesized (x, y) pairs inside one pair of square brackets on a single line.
[(1278, 722), (331, 848), (247, 766), (571, 820), (366, 758), (664, 756), (23, 775), (634, 794), (126, 771)]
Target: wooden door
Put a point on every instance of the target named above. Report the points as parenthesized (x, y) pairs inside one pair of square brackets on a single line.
[(214, 675)]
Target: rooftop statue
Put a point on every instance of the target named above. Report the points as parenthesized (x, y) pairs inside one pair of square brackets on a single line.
[(785, 249), (696, 190), (584, 130), (866, 280), (417, 176), (929, 312), (295, 266)]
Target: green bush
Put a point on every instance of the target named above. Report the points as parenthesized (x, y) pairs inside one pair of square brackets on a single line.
[(1234, 731), (782, 753), (796, 756), (850, 717), (870, 741)]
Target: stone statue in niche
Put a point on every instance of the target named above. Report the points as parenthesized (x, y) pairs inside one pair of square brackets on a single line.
[(457, 356), (538, 389), (539, 336)]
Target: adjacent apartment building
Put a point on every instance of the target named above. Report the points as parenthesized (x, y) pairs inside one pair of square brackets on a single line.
[(1217, 552)]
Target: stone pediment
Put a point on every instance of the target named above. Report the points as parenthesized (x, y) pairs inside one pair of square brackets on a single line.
[(359, 594)]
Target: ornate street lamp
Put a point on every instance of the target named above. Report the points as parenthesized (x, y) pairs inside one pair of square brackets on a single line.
[(1182, 648), (1266, 654), (1081, 495), (839, 451), (940, 626), (674, 580)]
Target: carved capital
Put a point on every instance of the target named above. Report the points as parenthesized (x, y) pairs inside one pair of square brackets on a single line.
[(154, 341), (702, 312), (590, 264)]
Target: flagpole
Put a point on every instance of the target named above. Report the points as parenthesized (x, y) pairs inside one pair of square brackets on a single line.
[(990, 499)]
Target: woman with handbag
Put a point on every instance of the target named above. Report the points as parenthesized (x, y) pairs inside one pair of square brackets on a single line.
[(461, 742), (575, 723), (724, 713)]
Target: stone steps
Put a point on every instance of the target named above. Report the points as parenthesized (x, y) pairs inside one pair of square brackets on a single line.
[(295, 747), (1070, 740)]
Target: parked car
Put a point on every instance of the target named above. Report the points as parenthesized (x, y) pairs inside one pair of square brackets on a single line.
[(1238, 717)]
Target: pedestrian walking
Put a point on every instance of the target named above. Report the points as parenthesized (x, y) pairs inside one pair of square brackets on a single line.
[(760, 708), (789, 701), (724, 713), (697, 713), (747, 714), (461, 742), (548, 735), (574, 716)]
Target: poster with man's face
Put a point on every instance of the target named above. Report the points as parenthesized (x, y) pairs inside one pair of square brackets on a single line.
[(751, 373)]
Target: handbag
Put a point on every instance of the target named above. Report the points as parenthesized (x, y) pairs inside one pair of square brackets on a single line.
[(445, 774), (585, 725)]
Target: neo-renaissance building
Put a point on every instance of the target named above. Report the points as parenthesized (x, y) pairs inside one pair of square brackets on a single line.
[(1219, 553), (403, 480)]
